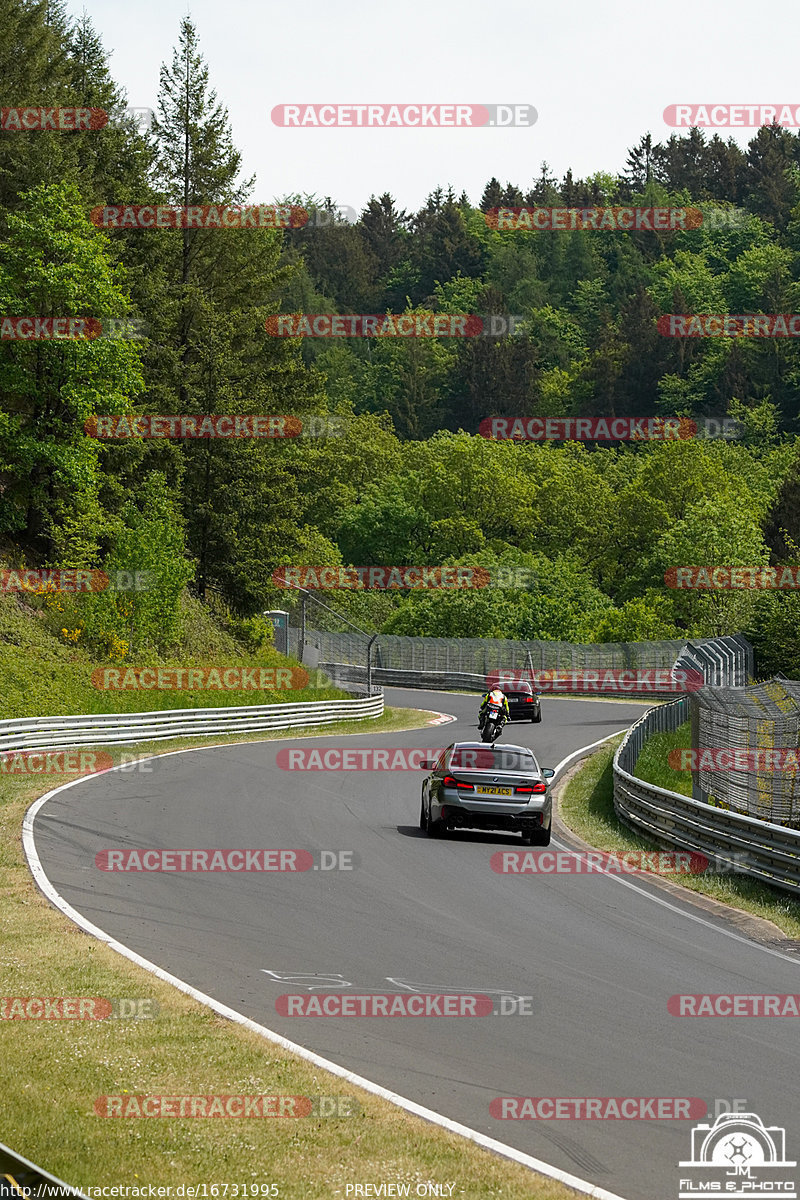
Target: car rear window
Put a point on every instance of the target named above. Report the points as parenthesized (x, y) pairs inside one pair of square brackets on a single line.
[(518, 695), (492, 758)]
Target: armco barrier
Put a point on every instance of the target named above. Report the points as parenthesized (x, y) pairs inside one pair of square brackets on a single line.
[(47, 733), (457, 681), (463, 664), (22, 1179), (478, 656), (771, 852)]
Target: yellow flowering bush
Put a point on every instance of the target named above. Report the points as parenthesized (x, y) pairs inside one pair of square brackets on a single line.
[(116, 648)]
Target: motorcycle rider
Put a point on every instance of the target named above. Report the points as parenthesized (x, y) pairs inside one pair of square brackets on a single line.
[(495, 696)]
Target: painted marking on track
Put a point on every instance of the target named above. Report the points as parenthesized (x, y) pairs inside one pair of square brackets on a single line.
[(583, 1186)]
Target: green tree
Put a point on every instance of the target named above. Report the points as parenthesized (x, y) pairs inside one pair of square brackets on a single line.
[(148, 571), (711, 533), (216, 290), (54, 264)]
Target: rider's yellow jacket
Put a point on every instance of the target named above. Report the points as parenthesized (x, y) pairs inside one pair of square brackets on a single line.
[(506, 711)]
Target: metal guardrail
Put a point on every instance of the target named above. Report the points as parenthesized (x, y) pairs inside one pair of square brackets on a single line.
[(350, 673), (747, 845), (27, 1180), (481, 655), (47, 733), (466, 662)]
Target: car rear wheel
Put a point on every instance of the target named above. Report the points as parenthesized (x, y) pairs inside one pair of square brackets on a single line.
[(540, 837), (423, 820), (435, 829), (537, 717)]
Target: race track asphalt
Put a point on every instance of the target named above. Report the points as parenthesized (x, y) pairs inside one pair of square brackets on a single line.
[(598, 957)]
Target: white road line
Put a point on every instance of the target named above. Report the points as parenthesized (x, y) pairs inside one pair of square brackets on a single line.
[(583, 749), (473, 1135), (651, 895), (510, 1152)]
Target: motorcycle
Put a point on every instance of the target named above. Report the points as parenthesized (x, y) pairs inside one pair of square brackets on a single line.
[(492, 723)]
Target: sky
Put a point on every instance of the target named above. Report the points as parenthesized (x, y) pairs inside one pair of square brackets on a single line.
[(599, 73)]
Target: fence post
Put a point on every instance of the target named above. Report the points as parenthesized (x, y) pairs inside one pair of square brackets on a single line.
[(303, 599)]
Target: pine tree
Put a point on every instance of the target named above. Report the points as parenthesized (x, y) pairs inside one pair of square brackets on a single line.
[(544, 191), (772, 192), (492, 195), (384, 230), (212, 291), (640, 164), (35, 71)]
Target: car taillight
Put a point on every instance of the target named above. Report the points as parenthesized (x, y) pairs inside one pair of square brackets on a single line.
[(451, 781), (529, 699), (527, 788)]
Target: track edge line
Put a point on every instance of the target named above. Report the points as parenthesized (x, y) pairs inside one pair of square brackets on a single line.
[(582, 1186)]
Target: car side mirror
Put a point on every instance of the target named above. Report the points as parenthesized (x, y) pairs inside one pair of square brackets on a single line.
[(547, 772)]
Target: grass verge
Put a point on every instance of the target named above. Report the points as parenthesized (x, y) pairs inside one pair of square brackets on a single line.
[(587, 808), (653, 764), (42, 674), (59, 1068)]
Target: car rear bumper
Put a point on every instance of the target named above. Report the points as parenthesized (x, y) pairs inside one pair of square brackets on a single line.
[(457, 817)]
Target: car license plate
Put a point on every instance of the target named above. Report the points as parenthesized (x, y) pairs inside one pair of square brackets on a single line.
[(493, 791)]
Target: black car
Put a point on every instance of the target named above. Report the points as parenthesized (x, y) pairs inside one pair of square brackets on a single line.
[(475, 786), (523, 702)]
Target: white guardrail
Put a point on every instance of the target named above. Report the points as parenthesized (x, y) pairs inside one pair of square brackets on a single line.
[(747, 845), (47, 733)]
